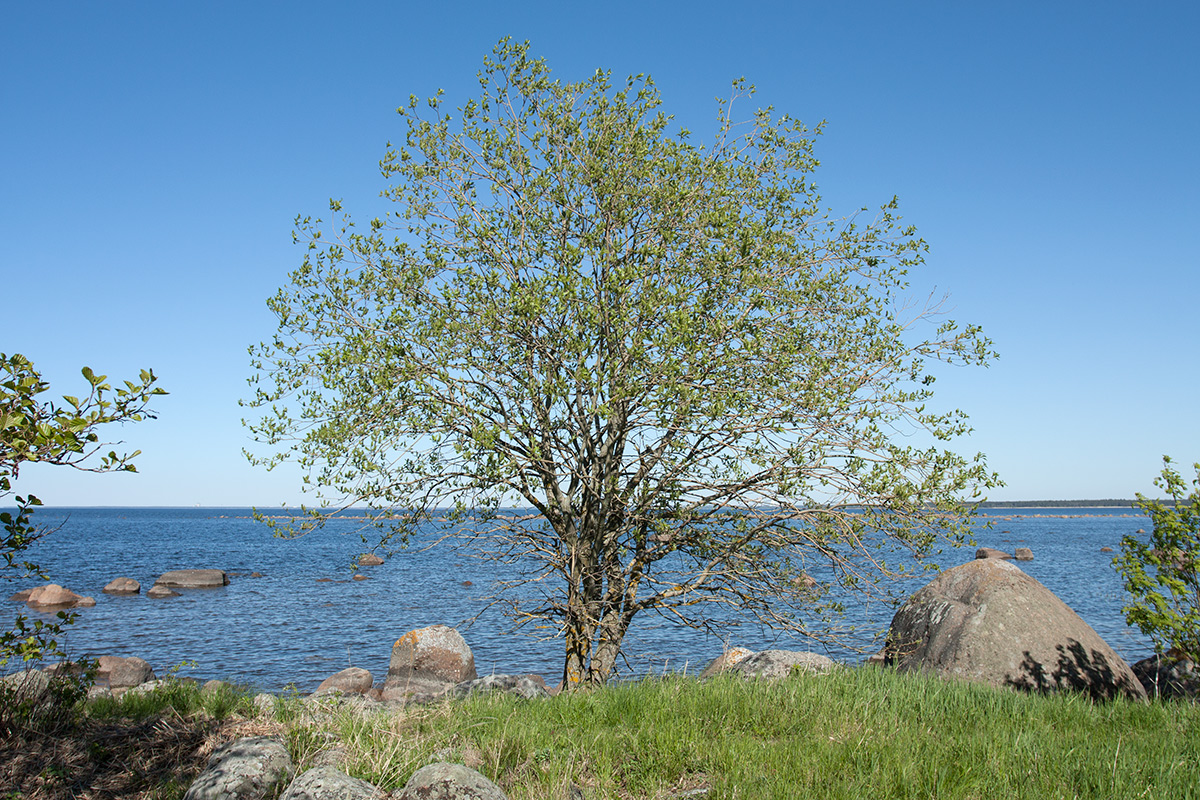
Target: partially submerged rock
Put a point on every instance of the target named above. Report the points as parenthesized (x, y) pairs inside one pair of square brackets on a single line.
[(193, 579), (1023, 554), (988, 621), (369, 560), (52, 596), (991, 552), (244, 769), (122, 586), (156, 592)]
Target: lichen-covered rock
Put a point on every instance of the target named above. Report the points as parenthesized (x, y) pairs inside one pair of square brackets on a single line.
[(426, 663), (781, 663), (329, 783), (726, 660), (442, 781), (520, 685), (988, 621), (122, 586), (244, 769), (193, 579), (352, 680)]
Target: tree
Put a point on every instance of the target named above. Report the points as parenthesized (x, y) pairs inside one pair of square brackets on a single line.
[(1162, 575), (32, 430), (696, 381)]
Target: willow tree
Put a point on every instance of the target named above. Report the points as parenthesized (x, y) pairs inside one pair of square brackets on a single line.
[(696, 381)]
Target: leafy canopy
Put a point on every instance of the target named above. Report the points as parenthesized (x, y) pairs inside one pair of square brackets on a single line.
[(695, 379), (36, 430), (1162, 574)]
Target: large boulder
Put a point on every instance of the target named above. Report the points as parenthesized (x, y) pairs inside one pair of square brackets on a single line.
[(425, 663), (193, 579), (352, 680), (329, 783), (116, 672), (781, 664), (988, 621), (122, 586), (54, 596), (442, 781), (244, 769)]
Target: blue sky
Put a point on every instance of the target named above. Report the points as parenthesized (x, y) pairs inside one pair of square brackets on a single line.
[(155, 155)]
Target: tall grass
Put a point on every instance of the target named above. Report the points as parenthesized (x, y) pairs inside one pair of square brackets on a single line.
[(853, 734)]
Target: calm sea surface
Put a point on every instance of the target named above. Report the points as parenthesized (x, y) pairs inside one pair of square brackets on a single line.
[(292, 627)]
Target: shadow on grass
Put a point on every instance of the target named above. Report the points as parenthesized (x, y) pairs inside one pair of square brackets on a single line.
[(101, 759)]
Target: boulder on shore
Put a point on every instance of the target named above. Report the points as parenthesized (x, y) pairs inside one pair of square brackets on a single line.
[(193, 579), (122, 586), (725, 661), (988, 621), (775, 664), (329, 783), (243, 769), (425, 663), (116, 672), (1169, 676), (352, 680)]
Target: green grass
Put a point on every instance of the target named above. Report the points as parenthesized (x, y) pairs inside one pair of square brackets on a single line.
[(853, 734)]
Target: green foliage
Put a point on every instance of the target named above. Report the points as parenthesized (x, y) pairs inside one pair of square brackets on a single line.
[(699, 381), (33, 429), (1162, 575)]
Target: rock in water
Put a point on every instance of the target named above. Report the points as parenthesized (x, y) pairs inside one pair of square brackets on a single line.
[(193, 579), (54, 596), (369, 560), (988, 621), (1023, 554), (122, 586), (443, 781), (991, 552)]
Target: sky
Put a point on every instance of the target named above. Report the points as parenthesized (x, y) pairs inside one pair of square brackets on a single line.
[(156, 154)]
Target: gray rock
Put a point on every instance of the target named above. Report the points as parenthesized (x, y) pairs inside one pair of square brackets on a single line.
[(988, 621), (352, 680), (27, 686), (116, 672), (193, 579), (442, 781), (264, 703), (328, 783), (157, 592), (214, 686), (725, 661), (414, 690), (779, 664), (1023, 554), (122, 586), (244, 769), (1169, 676), (990, 552), (520, 685)]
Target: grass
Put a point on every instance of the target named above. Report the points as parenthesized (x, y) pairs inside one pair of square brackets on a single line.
[(851, 734)]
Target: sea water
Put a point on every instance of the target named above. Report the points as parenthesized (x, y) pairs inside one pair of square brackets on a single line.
[(306, 618)]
